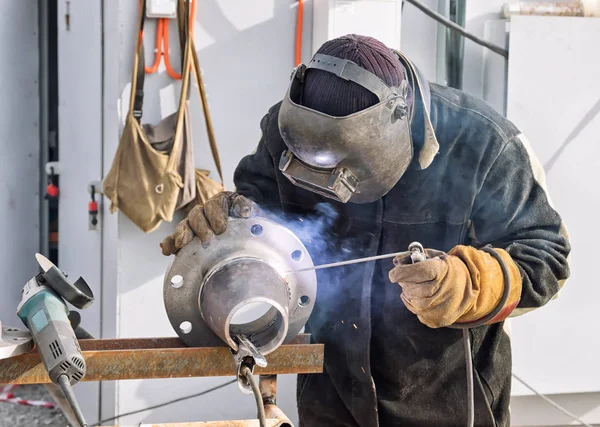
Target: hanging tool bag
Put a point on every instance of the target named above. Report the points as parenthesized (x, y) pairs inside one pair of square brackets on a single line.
[(153, 173)]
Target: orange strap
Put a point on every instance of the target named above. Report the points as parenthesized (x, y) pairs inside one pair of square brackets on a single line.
[(162, 42), (299, 24)]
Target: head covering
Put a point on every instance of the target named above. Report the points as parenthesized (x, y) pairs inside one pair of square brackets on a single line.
[(334, 96)]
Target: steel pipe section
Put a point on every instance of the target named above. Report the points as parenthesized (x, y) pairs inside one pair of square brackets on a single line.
[(207, 288)]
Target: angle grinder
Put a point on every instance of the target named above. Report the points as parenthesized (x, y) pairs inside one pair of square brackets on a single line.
[(44, 311)]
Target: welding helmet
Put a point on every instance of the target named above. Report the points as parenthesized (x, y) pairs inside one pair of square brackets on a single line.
[(356, 158)]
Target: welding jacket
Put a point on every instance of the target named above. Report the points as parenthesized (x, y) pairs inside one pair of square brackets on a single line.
[(382, 366)]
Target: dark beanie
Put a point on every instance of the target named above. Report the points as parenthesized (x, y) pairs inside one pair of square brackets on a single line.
[(329, 94)]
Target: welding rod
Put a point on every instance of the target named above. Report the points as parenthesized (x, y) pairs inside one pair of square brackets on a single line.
[(352, 261)]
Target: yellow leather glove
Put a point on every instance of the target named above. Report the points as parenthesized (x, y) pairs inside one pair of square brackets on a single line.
[(459, 287)]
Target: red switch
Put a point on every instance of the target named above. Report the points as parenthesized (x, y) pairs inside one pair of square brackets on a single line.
[(93, 208), (52, 190)]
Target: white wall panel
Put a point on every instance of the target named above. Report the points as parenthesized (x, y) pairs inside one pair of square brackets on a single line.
[(554, 97), (80, 157)]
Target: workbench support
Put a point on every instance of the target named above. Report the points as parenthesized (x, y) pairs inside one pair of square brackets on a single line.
[(144, 358)]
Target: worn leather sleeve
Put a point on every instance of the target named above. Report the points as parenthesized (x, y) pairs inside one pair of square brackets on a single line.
[(255, 176), (487, 283), (513, 211)]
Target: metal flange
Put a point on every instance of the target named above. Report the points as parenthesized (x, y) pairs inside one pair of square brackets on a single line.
[(206, 285)]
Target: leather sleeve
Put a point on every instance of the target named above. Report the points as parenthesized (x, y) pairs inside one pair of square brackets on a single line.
[(513, 212), (254, 176)]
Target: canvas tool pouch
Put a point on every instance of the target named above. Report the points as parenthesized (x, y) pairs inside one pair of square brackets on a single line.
[(161, 137), (148, 177)]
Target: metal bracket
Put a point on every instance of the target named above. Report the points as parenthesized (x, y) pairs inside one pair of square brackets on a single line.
[(97, 187), (52, 167)]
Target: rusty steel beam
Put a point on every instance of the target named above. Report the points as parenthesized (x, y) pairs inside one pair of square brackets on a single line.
[(143, 358), (153, 343)]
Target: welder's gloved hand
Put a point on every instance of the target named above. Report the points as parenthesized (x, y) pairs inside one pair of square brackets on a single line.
[(462, 286), (209, 219)]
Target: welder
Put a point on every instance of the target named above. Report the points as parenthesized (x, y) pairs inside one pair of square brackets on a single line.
[(364, 143)]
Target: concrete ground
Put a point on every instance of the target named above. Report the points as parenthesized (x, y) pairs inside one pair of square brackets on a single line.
[(16, 415)]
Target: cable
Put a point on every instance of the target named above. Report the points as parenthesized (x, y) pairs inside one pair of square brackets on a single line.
[(416, 248), (467, 337), (260, 406), (470, 382), (160, 405), (467, 326), (455, 27), (467, 345), (65, 385), (551, 402), (162, 43)]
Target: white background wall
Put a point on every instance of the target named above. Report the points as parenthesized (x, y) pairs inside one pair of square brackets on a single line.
[(246, 52), (563, 126)]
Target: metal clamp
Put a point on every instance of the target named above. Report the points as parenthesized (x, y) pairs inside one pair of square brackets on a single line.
[(417, 252), (246, 356), (254, 384)]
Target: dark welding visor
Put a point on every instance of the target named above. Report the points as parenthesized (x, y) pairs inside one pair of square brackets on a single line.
[(356, 158)]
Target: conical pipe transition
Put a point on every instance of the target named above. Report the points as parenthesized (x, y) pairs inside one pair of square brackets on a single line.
[(236, 284)]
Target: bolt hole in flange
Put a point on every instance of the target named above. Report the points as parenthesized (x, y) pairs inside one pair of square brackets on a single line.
[(186, 327), (256, 230), (297, 255), (177, 281), (304, 301)]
